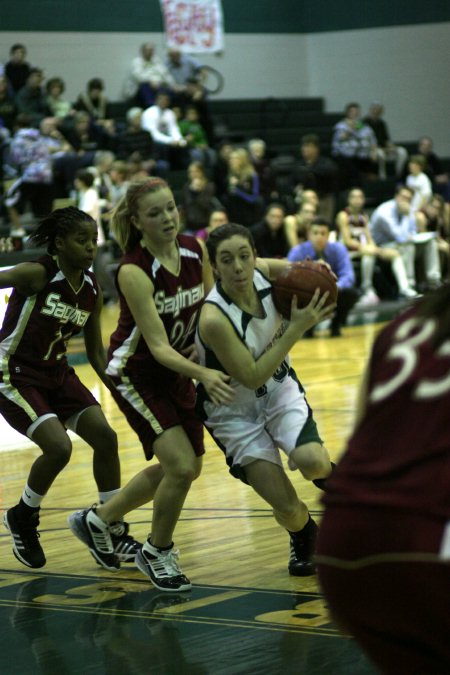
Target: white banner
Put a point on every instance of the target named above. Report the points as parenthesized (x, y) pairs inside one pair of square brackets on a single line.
[(194, 26)]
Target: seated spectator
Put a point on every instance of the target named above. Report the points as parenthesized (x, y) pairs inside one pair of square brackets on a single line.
[(95, 103), (136, 168), (197, 198), (86, 136), (353, 228), (269, 235), (433, 217), (148, 77), (242, 199), (296, 225), (393, 225), (195, 94), (217, 217), (221, 167), (313, 171), (17, 69), (135, 139), (30, 155), (418, 182), (434, 167), (194, 134), (183, 68), (161, 122), (65, 161), (31, 98), (8, 108), (386, 150), (318, 247), (354, 147), (119, 181), (89, 201), (57, 105), (267, 182)]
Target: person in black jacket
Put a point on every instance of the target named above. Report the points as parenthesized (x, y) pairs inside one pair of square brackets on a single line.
[(270, 235)]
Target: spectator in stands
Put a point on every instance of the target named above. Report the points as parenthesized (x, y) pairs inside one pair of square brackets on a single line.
[(387, 151), (89, 201), (65, 161), (296, 225), (221, 167), (197, 198), (318, 247), (95, 103), (217, 217), (353, 228), (434, 168), (17, 69), (30, 155), (267, 183), (269, 235), (31, 99), (136, 168), (148, 77), (418, 182), (433, 217), (58, 106), (313, 171), (135, 139), (195, 136), (183, 68), (393, 225), (354, 146), (85, 136), (8, 108), (242, 199), (196, 94), (169, 143)]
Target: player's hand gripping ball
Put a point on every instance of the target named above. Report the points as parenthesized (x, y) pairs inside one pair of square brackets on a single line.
[(302, 279)]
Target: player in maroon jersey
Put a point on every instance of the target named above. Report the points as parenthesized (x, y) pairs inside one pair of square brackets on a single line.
[(384, 541), (54, 298), (162, 280)]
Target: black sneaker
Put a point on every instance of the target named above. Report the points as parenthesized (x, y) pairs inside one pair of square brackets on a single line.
[(26, 546), (162, 568), (92, 531), (303, 545), (125, 547)]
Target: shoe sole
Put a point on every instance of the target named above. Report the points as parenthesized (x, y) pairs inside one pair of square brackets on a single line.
[(15, 551), (143, 567), (79, 533)]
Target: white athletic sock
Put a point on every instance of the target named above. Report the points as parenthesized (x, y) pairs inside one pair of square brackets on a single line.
[(31, 498), (106, 496)]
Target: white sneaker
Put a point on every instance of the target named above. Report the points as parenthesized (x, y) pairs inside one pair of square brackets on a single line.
[(369, 298), (409, 293), (162, 568)]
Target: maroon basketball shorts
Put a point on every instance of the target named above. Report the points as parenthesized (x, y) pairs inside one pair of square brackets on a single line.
[(26, 402), (151, 407)]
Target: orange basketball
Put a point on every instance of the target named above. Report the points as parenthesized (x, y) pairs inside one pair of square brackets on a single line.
[(302, 279)]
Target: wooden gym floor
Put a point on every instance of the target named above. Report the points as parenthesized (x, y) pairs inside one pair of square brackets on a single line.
[(245, 614)]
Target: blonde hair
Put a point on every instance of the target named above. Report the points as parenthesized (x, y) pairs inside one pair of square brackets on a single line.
[(246, 169), (122, 227)]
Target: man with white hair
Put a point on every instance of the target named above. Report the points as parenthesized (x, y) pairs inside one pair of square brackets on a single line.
[(148, 76)]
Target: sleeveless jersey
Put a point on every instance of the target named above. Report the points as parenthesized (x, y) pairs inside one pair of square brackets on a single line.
[(36, 328), (257, 334), (357, 223), (177, 299), (395, 456)]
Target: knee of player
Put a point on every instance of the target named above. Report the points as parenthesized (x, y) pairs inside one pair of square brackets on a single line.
[(312, 460), (58, 451), (106, 441)]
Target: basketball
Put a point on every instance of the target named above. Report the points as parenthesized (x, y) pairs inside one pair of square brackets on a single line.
[(302, 279)]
